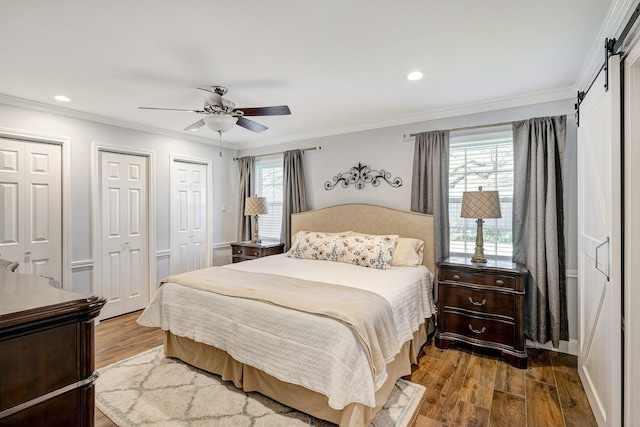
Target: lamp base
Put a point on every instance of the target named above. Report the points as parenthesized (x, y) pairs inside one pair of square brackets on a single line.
[(478, 255), (256, 238)]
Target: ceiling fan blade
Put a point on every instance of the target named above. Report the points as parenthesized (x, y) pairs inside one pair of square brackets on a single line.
[(211, 98), (173, 109), (196, 125), (276, 110), (251, 125)]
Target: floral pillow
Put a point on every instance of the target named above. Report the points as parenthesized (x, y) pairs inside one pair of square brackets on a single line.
[(363, 250)]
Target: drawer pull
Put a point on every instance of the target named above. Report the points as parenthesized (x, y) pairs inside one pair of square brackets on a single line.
[(475, 331), (499, 282), (254, 254), (483, 302), (456, 277)]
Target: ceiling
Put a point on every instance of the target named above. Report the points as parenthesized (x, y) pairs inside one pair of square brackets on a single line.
[(338, 65)]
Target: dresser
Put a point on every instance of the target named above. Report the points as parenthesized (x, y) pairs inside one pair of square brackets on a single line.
[(482, 305), (46, 353), (242, 251)]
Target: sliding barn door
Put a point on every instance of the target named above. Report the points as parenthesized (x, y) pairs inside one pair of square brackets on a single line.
[(599, 247)]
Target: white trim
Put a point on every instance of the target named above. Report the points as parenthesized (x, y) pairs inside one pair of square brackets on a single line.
[(163, 253), (221, 245), (86, 263), (570, 347), (571, 274), (96, 148), (65, 143)]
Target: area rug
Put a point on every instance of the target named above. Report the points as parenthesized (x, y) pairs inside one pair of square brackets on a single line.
[(150, 389)]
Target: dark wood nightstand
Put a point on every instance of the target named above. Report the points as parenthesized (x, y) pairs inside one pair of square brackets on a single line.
[(482, 305), (242, 251)]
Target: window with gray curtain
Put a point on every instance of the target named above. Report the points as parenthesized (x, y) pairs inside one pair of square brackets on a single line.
[(430, 185), (538, 224), (246, 189), (294, 194), (269, 184)]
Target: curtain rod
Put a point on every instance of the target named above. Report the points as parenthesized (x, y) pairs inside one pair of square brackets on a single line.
[(280, 152), (411, 135)]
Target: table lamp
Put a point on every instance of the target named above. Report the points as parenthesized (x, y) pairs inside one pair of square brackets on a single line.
[(480, 204), (255, 206)]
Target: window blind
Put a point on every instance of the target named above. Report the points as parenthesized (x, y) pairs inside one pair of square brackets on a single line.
[(487, 161), (269, 183)]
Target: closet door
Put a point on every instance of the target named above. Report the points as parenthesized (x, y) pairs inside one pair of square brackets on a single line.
[(599, 247), (123, 271), (31, 206), (188, 217)]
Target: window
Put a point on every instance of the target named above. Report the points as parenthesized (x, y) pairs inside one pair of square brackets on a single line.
[(269, 184), (481, 160)]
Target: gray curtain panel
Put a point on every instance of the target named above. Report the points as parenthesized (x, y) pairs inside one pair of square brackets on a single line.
[(538, 224), (294, 195), (246, 188), (430, 184)]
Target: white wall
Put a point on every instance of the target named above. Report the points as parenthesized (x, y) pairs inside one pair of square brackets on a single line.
[(384, 149), (82, 134)]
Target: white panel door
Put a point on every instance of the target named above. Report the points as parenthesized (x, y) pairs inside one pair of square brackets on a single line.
[(599, 247), (189, 217), (123, 271), (31, 206)]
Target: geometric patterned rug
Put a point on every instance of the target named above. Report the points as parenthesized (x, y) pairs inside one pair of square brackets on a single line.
[(150, 389)]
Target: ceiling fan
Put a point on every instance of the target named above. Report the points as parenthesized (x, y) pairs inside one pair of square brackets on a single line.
[(221, 115)]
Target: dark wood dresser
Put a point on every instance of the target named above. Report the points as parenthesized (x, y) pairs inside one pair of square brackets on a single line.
[(242, 251), (46, 353), (482, 305)]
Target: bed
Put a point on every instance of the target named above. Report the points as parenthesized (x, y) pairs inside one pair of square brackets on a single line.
[(334, 353)]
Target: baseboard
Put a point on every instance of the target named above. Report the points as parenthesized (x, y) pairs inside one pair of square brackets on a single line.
[(570, 347)]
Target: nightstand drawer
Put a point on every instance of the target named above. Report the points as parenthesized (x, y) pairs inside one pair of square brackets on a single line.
[(479, 328), (496, 303), (245, 252), (480, 278)]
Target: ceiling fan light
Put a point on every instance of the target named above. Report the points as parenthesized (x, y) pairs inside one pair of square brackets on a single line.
[(220, 122)]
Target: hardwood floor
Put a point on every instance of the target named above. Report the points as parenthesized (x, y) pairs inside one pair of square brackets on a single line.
[(464, 387)]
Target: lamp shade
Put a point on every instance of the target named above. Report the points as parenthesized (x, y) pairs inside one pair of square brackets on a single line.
[(220, 122), (480, 204), (255, 206)]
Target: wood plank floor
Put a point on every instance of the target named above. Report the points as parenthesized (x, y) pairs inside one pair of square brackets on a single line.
[(464, 387)]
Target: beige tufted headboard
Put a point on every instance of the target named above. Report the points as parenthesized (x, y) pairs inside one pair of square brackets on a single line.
[(369, 219)]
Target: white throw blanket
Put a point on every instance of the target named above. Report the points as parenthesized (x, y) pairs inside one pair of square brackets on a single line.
[(310, 350)]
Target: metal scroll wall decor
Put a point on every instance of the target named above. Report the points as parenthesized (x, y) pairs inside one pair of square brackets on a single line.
[(361, 175)]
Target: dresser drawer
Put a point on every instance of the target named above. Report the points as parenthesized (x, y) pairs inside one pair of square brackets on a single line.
[(466, 298), (479, 328), (501, 281)]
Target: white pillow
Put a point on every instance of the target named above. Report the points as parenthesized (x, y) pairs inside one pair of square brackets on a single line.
[(409, 252), (362, 250)]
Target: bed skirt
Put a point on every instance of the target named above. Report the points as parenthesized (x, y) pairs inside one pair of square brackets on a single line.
[(249, 378)]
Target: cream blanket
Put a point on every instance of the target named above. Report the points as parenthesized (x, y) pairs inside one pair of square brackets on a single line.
[(368, 314)]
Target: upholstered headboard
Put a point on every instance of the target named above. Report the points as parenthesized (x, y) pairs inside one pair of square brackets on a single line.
[(369, 219)]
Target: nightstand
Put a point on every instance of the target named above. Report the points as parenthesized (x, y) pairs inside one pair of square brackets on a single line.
[(242, 251), (482, 305)]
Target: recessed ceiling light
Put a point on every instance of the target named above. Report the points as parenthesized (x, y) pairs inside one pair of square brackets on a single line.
[(61, 98), (415, 75)]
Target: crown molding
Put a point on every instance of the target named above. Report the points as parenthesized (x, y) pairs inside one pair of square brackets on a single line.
[(500, 104), (617, 18), (76, 114)]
